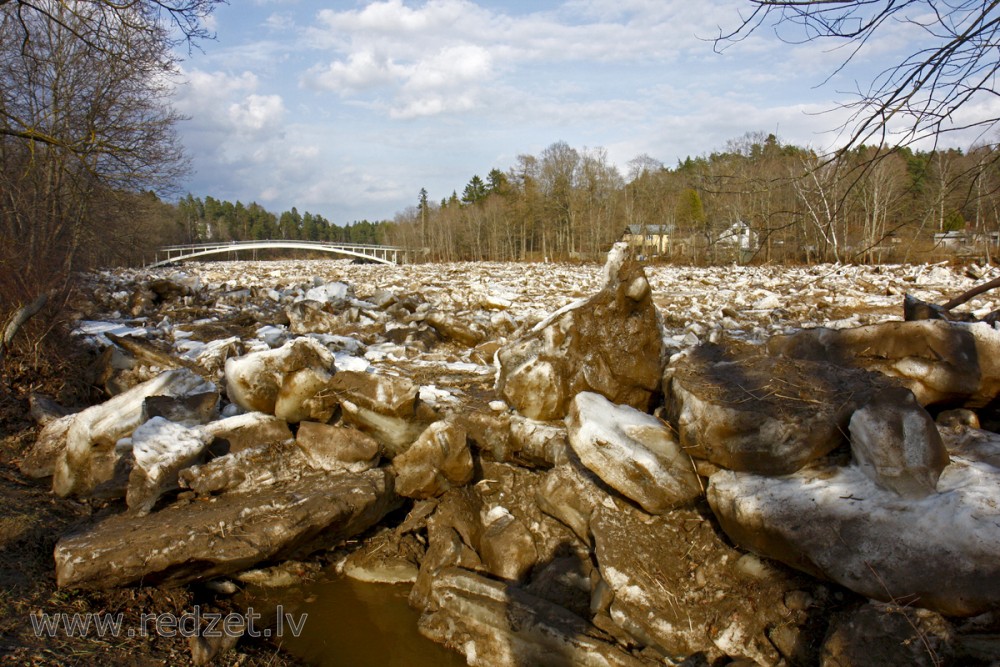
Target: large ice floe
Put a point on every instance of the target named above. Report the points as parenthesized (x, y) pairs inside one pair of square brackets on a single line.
[(937, 552), (610, 343), (617, 465)]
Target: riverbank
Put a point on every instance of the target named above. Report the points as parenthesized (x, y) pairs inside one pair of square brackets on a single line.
[(437, 328)]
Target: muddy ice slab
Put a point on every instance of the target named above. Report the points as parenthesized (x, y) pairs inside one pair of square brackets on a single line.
[(896, 443), (936, 552), (494, 527), (674, 585), (87, 456), (239, 432), (610, 343), (210, 355), (438, 460), (570, 493), (306, 317), (515, 439), (40, 460), (190, 410), (494, 624), (887, 634), (282, 382), (391, 556), (387, 407), (232, 532), (669, 582), (249, 469), (939, 361), (335, 293), (329, 447), (464, 330), (972, 442), (160, 450), (763, 414), (633, 452)]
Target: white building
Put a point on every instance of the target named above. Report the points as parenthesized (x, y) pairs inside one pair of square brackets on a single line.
[(739, 236)]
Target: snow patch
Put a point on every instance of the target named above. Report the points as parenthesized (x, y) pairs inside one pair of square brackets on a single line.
[(159, 443)]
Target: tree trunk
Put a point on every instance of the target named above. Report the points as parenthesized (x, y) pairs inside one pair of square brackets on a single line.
[(21, 315)]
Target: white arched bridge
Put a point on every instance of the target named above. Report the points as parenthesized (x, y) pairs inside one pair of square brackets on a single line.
[(374, 253)]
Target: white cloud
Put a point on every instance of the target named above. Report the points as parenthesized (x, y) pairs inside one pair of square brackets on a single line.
[(447, 80), (203, 89), (451, 67), (279, 22), (257, 113), (406, 33), (393, 21), (361, 71), (227, 104), (304, 152), (234, 130), (477, 82), (447, 56), (211, 23)]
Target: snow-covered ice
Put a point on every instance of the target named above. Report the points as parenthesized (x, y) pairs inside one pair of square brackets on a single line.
[(502, 300)]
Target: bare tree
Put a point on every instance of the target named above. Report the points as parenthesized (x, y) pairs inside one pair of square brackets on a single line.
[(85, 125), (823, 204), (558, 169), (642, 201), (596, 201), (985, 186), (125, 32), (952, 65), (878, 199)]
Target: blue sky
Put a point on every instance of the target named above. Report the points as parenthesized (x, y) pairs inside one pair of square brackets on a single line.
[(347, 109)]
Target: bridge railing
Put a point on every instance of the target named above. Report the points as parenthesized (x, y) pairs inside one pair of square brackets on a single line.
[(225, 244), (386, 254)]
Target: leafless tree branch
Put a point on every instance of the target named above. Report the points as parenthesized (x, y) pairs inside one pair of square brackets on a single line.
[(955, 63)]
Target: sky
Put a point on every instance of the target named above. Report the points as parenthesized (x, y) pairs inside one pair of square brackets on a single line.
[(348, 109)]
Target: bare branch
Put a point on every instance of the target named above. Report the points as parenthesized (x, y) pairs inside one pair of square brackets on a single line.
[(85, 124), (955, 64)]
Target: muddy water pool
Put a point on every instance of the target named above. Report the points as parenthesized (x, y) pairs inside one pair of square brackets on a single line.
[(355, 624)]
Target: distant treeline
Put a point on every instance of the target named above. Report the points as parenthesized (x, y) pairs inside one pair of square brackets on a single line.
[(757, 201), (214, 220), (787, 203)]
